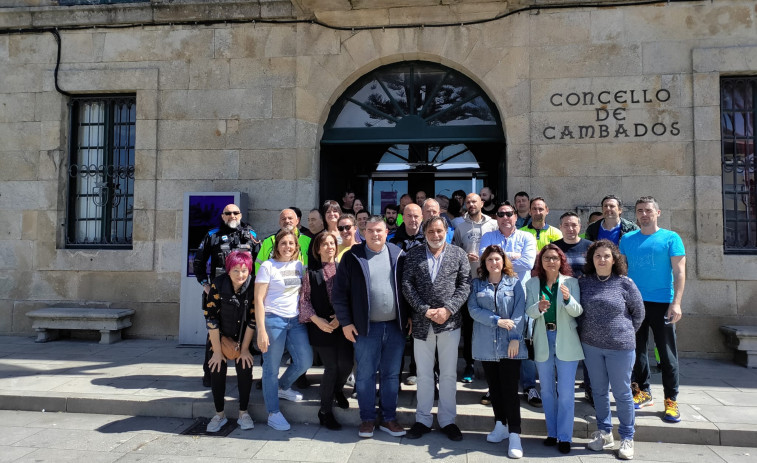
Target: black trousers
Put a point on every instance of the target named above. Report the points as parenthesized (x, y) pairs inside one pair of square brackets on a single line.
[(337, 366), (665, 340), (503, 377), (244, 384), (467, 335)]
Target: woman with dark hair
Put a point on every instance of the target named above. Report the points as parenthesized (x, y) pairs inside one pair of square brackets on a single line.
[(613, 312), (357, 206), (326, 336), (553, 302), (497, 305), (229, 309), (277, 291), (331, 211)]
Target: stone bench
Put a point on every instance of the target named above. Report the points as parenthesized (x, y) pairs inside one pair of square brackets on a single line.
[(744, 340), (109, 322)]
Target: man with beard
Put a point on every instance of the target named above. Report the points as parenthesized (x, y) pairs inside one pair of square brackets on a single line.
[(217, 245), (468, 236), (391, 212), (490, 205), (436, 284), (287, 221)]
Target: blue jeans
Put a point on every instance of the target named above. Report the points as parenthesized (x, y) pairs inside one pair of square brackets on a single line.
[(558, 395), (380, 349), (527, 374), (290, 333), (607, 368)]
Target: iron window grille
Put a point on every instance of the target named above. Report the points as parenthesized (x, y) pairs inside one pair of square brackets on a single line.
[(738, 106), (100, 207)]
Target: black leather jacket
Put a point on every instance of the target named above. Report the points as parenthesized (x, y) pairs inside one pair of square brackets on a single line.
[(217, 244)]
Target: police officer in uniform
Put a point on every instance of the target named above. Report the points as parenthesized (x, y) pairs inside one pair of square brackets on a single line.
[(217, 244)]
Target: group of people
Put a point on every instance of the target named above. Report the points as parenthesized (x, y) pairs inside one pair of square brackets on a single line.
[(524, 300)]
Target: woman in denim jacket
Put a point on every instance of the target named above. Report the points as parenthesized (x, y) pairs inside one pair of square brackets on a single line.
[(497, 305)]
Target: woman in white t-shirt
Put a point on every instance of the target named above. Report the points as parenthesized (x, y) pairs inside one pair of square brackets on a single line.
[(277, 291)]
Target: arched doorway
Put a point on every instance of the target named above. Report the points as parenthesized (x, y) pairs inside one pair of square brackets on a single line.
[(411, 126)]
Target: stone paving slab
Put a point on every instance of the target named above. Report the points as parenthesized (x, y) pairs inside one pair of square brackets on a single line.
[(55, 437), (718, 399)]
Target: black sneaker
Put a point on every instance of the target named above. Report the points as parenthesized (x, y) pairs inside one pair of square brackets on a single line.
[(452, 432), (417, 431), (563, 447), (587, 395), (550, 441), (468, 374), (486, 399)]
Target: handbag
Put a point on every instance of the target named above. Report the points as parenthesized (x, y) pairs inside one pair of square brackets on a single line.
[(230, 349)]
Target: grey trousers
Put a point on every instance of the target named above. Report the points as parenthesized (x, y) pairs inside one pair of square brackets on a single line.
[(447, 343)]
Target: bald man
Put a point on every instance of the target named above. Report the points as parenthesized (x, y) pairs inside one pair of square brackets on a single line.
[(287, 221), (231, 235), (431, 209)]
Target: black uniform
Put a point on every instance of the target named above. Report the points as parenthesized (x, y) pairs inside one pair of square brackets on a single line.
[(216, 246)]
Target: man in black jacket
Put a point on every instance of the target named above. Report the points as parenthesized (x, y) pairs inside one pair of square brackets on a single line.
[(409, 234), (369, 305), (216, 245)]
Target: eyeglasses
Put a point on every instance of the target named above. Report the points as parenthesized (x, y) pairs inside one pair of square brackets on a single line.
[(342, 228), (551, 258), (231, 213), (505, 213)]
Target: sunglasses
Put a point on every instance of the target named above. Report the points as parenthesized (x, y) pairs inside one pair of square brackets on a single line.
[(231, 213), (505, 214), (342, 228)]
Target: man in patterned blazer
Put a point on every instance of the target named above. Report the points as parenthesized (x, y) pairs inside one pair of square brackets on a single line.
[(436, 284)]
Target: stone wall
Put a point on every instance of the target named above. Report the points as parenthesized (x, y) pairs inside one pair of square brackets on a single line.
[(225, 107)]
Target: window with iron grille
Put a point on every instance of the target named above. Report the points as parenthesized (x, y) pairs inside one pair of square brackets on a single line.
[(101, 172), (738, 104)]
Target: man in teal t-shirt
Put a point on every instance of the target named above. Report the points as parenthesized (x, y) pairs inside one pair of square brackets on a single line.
[(657, 264)]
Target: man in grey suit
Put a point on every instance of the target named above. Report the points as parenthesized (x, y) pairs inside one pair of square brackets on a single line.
[(436, 284)]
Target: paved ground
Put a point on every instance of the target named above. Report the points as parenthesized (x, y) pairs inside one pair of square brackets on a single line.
[(61, 437), (157, 378)]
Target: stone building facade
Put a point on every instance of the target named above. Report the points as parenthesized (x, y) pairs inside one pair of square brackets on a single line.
[(235, 95)]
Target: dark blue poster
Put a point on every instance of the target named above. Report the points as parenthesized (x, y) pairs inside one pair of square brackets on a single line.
[(204, 215)]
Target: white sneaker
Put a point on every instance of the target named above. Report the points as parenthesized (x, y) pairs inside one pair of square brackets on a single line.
[(601, 440), (290, 394), (216, 423), (350, 380), (514, 450), (245, 422), (498, 434), (626, 449), (278, 422)]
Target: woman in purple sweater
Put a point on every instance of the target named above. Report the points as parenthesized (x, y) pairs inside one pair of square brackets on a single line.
[(613, 312)]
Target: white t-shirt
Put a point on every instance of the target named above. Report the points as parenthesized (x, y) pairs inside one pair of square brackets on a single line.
[(284, 280)]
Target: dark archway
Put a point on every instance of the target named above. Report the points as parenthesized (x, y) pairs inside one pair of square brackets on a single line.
[(409, 126)]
